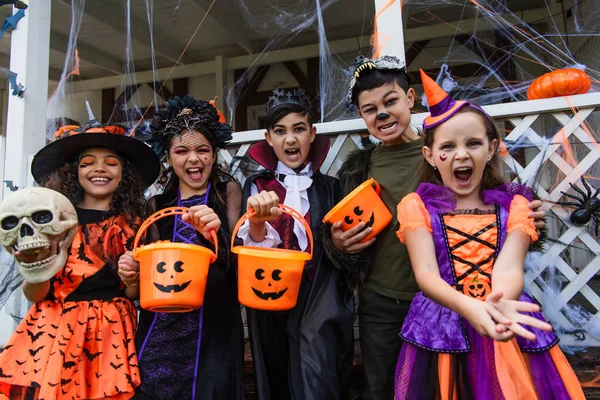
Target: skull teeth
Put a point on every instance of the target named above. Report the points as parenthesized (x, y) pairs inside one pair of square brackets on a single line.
[(40, 263), (35, 245)]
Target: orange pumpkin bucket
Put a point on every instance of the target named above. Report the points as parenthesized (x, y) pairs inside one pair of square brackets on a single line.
[(172, 275), (269, 278), (363, 204)]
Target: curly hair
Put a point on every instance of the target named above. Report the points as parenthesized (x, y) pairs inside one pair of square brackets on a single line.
[(127, 198)]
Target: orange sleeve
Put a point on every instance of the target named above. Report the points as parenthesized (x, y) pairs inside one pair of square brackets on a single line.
[(518, 218), (412, 214)]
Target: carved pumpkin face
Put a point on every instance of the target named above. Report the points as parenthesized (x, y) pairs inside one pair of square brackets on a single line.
[(477, 287), (173, 278), (269, 285), (359, 214)]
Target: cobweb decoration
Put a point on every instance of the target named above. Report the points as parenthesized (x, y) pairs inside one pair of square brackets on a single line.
[(11, 296)]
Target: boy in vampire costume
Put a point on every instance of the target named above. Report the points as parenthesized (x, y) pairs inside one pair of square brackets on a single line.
[(306, 352)]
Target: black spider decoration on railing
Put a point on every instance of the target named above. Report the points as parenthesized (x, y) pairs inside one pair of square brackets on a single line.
[(587, 206)]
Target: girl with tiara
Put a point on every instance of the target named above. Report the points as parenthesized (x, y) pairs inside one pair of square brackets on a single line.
[(467, 234)]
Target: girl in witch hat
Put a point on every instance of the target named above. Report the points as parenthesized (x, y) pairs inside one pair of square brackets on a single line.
[(467, 234), (77, 341)]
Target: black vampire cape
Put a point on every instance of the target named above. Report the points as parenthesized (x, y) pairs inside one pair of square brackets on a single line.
[(318, 335)]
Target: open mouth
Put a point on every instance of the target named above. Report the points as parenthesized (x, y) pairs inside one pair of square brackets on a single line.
[(100, 180), (195, 173), (292, 153), (36, 255), (463, 175), (172, 288), (269, 295), (387, 127)]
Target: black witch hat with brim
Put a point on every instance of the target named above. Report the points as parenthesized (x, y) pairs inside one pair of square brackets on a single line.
[(72, 140)]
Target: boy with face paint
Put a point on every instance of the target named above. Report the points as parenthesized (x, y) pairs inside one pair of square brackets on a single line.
[(381, 267), (306, 352)]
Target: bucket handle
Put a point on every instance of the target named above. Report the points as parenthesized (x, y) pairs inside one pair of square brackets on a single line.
[(375, 185), (286, 210), (167, 212)]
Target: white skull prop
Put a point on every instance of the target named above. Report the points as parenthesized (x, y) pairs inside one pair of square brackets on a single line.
[(37, 226)]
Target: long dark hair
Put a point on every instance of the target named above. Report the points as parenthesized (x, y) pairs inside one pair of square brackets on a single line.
[(128, 197), (492, 175)]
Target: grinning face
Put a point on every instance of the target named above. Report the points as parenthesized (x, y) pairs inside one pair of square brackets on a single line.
[(386, 111), (460, 151), (291, 138), (192, 158), (99, 174)]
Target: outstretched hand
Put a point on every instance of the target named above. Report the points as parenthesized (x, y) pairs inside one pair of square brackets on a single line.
[(512, 310), (203, 219)]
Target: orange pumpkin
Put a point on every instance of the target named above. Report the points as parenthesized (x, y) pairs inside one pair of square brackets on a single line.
[(562, 82), (477, 287)]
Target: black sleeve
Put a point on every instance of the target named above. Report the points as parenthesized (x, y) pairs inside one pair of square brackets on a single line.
[(353, 172)]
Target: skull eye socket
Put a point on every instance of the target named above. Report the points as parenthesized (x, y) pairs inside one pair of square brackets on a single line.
[(260, 274), (178, 266), (42, 217), (276, 275), (9, 222), (348, 220), (160, 267), (358, 211)]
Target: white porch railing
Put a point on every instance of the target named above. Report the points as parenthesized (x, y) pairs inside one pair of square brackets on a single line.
[(560, 145)]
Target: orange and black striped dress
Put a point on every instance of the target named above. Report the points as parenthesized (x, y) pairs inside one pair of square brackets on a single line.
[(78, 343)]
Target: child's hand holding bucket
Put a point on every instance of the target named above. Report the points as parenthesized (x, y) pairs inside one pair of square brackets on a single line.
[(204, 219), (350, 241), (129, 269), (265, 205)]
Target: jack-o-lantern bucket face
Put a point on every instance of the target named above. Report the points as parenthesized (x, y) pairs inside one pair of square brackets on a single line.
[(477, 287), (175, 283), (172, 275), (363, 204), (269, 279), (267, 290)]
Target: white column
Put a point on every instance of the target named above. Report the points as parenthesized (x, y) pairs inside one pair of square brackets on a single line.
[(26, 121), (390, 32), (220, 84)]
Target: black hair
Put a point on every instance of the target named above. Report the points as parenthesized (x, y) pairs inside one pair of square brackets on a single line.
[(371, 79), (277, 113)]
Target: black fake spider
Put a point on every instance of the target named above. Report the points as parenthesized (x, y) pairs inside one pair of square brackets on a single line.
[(588, 205)]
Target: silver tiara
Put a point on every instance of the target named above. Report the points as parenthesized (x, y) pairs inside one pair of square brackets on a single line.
[(384, 63)]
